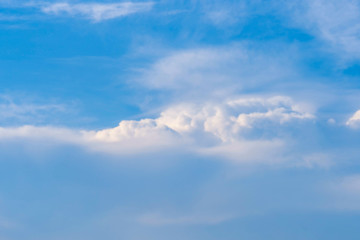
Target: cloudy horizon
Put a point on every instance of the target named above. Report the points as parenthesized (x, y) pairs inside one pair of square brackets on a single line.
[(179, 119)]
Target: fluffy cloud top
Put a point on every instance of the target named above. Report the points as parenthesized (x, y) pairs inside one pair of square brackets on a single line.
[(225, 121), (209, 128)]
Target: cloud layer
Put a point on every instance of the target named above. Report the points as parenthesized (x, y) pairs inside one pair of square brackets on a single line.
[(226, 129)]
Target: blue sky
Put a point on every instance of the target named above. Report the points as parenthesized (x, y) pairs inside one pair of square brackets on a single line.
[(179, 120)]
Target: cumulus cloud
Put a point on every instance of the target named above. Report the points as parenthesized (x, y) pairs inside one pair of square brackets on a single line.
[(223, 129), (97, 12), (225, 122), (229, 120), (354, 121)]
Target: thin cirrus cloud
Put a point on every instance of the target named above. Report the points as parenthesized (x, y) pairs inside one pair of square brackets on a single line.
[(156, 219), (13, 111), (333, 22), (225, 14), (344, 193), (225, 68), (350, 184), (97, 12)]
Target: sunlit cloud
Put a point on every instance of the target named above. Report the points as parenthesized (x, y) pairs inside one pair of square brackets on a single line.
[(209, 129), (97, 12), (354, 120)]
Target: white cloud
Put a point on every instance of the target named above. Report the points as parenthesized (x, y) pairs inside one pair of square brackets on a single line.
[(43, 133), (25, 110), (354, 121), (98, 11), (212, 129), (222, 13), (228, 120), (219, 71), (335, 22), (225, 121)]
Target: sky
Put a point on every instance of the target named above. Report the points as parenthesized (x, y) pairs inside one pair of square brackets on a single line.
[(159, 120)]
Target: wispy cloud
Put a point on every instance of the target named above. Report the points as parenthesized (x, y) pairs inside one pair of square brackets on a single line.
[(26, 111), (11, 18), (215, 71), (354, 121), (156, 219), (351, 184), (344, 193), (97, 12), (222, 13), (334, 22)]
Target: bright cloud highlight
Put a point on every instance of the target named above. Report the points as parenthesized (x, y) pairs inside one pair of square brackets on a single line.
[(215, 129), (354, 121), (98, 12)]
